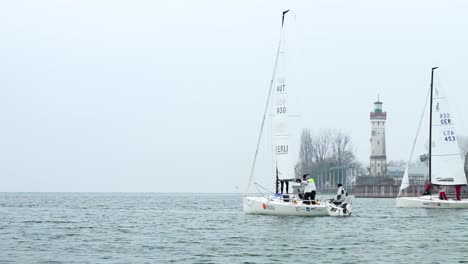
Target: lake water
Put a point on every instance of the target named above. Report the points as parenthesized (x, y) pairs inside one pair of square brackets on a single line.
[(211, 228)]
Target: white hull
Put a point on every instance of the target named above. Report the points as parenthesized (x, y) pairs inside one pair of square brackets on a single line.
[(428, 201), (276, 206)]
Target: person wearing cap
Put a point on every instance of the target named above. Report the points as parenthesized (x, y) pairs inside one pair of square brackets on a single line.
[(309, 189), (340, 194)]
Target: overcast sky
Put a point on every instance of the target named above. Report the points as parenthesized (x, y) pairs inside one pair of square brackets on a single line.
[(168, 96)]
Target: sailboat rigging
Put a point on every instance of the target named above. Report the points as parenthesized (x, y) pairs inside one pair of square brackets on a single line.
[(444, 159), (284, 204), (280, 46)]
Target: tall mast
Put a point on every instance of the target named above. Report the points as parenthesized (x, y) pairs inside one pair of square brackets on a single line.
[(430, 124), (268, 100)]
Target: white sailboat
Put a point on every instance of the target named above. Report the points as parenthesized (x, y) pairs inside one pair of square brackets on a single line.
[(445, 161), (285, 204)]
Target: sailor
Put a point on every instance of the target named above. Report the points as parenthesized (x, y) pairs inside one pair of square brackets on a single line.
[(427, 189), (442, 194), (309, 189), (341, 194), (457, 192)]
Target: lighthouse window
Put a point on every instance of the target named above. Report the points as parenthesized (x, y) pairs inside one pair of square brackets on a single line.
[(378, 141), (378, 164)]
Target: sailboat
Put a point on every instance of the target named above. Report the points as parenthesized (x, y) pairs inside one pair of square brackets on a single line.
[(444, 159), (278, 203)]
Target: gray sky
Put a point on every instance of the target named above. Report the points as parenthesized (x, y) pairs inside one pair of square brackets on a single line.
[(167, 96)]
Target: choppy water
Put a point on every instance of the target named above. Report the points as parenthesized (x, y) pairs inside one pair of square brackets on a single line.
[(211, 228)]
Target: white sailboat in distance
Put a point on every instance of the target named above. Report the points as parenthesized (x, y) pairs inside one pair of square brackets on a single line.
[(278, 203), (445, 160)]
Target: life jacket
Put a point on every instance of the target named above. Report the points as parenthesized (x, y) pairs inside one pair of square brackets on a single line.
[(309, 185)]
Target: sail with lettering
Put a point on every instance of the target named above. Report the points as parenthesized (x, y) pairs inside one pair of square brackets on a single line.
[(281, 146), (281, 202), (446, 166), (446, 161)]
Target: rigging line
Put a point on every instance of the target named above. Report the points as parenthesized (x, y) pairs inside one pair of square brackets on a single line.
[(417, 133), (257, 185), (260, 192), (263, 120), (267, 102)]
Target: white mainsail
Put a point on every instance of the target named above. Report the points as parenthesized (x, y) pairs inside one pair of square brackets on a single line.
[(280, 124), (446, 160), (281, 144), (279, 203)]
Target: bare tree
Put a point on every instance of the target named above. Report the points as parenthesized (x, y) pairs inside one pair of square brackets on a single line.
[(321, 154), (463, 144), (341, 147), (305, 153), (321, 146)]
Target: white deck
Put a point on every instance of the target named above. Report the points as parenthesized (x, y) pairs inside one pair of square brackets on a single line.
[(428, 201), (276, 206)]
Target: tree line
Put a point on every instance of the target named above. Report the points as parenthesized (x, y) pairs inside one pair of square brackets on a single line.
[(332, 149), (463, 144), (328, 149)]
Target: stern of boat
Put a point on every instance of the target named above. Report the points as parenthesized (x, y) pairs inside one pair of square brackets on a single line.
[(343, 209)]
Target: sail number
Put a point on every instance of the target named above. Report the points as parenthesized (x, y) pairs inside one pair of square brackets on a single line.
[(445, 119), (449, 135), (280, 88), (281, 84), (281, 110)]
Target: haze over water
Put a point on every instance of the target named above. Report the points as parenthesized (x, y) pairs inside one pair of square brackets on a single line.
[(211, 228), (114, 96)]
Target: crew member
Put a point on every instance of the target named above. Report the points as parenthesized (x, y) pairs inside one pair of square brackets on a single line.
[(427, 189), (341, 194), (442, 194), (457, 192), (309, 189)]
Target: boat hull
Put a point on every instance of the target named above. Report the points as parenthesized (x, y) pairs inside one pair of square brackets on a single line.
[(272, 206), (432, 202)]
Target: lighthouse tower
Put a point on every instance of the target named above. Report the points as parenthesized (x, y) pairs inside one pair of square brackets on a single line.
[(378, 158)]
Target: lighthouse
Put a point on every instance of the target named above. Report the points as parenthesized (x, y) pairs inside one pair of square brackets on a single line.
[(378, 158)]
